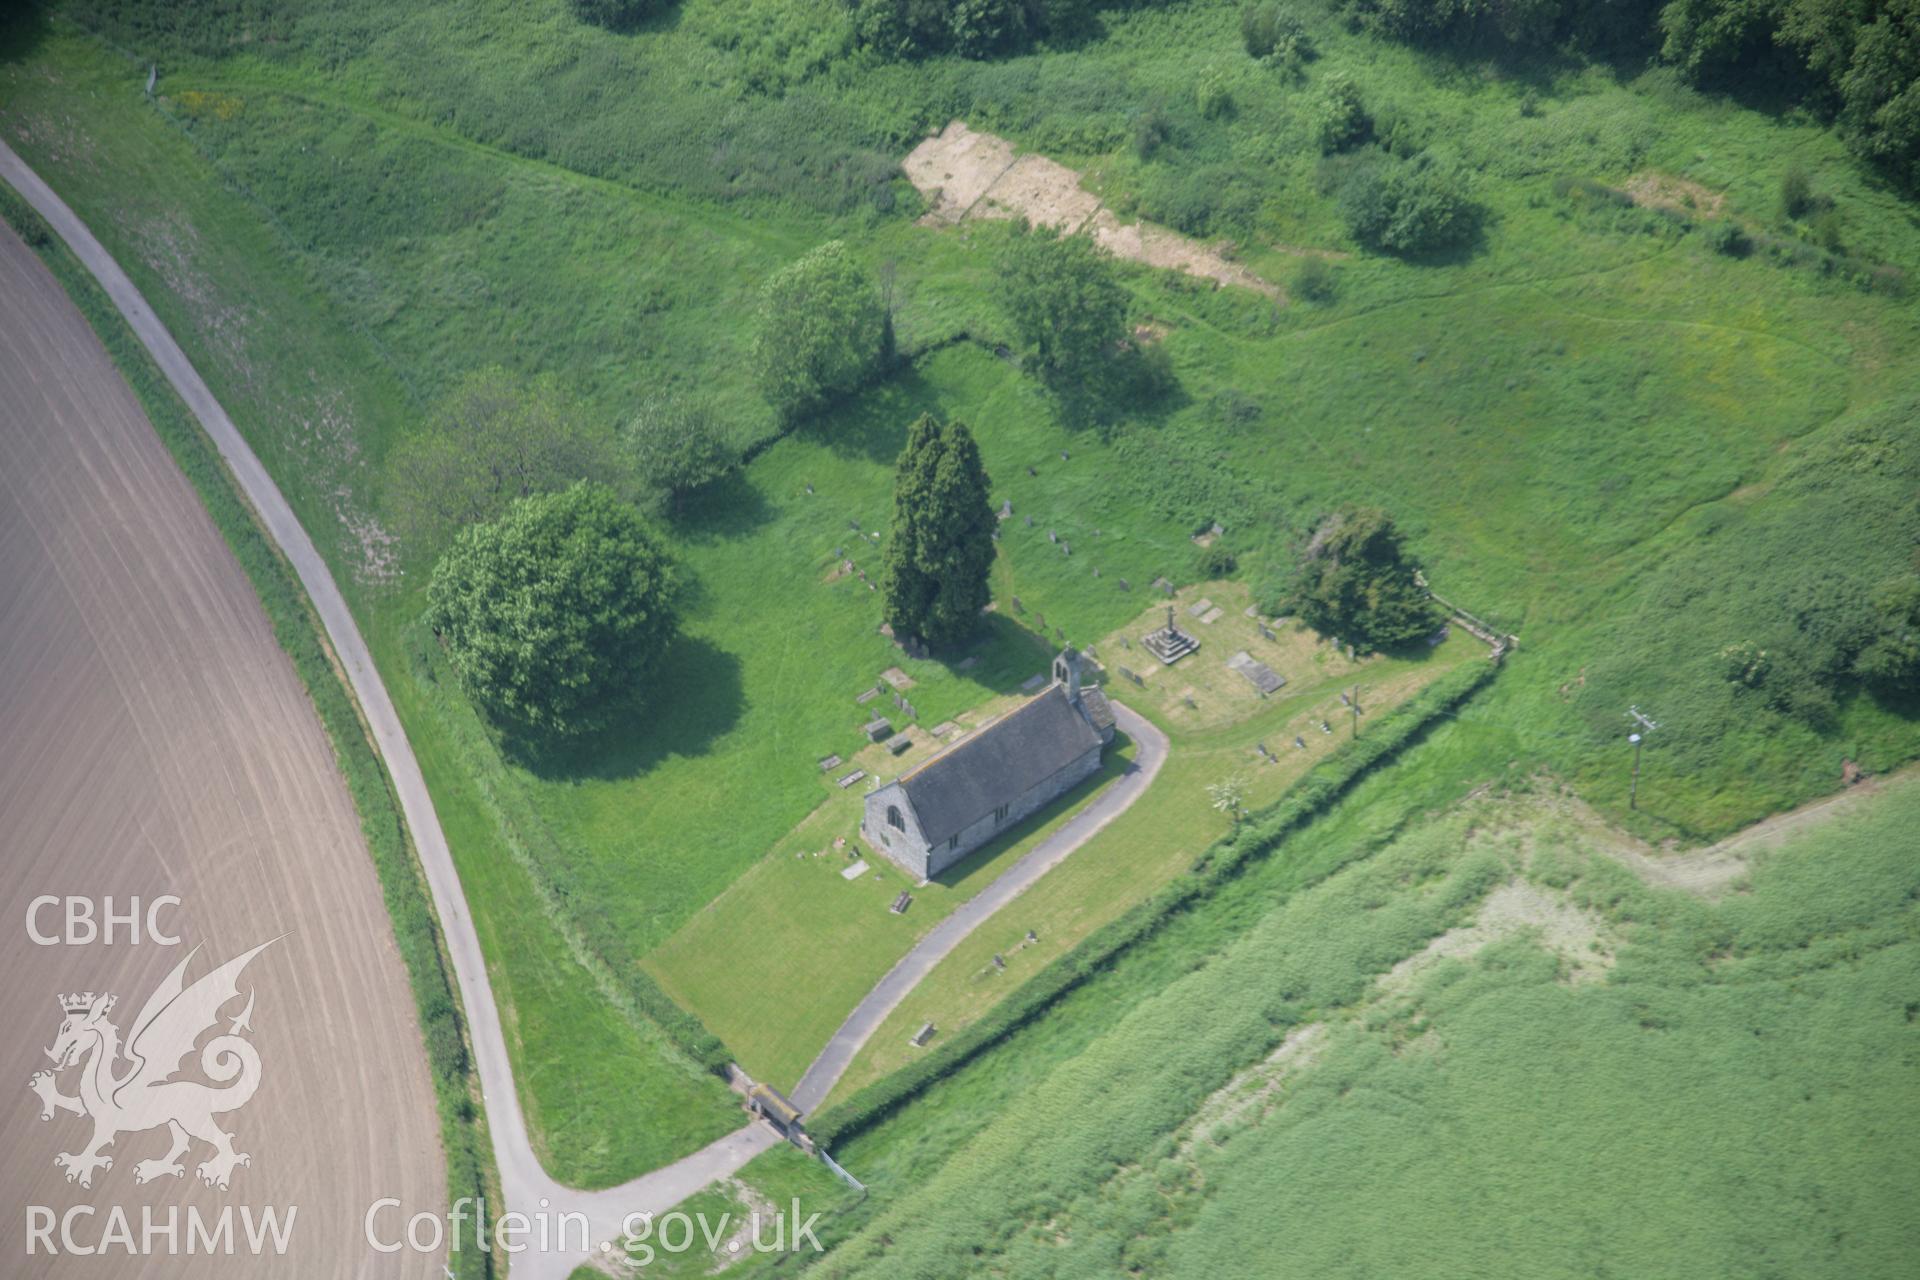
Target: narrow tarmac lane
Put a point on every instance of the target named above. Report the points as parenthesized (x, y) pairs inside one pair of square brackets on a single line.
[(826, 1070), (525, 1184)]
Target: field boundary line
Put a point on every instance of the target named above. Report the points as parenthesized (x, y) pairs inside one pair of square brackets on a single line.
[(298, 633), (524, 1183)]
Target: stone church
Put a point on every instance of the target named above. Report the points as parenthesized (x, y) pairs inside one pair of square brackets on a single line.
[(943, 809)]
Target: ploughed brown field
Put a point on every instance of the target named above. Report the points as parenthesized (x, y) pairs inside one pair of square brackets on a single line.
[(155, 740)]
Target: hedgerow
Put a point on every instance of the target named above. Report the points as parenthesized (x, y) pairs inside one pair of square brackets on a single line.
[(1257, 837)]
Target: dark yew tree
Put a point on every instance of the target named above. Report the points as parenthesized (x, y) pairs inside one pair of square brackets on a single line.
[(940, 549)]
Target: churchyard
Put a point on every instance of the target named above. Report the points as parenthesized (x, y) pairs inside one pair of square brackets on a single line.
[(1595, 427), (804, 941)]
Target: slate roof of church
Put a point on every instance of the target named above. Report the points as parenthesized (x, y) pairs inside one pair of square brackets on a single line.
[(1093, 701), (999, 764)]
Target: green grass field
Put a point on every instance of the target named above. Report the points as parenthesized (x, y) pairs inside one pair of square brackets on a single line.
[(1598, 432), (1585, 1088)]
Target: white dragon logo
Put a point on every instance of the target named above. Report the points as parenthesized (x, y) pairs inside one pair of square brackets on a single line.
[(144, 1096)]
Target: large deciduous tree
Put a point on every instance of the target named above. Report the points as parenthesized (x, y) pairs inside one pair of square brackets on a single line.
[(1068, 309), (1353, 581), (940, 549), (823, 331), (676, 449), (554, 614)]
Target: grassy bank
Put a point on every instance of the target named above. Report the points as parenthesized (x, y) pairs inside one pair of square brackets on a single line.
[(1603, 1071)]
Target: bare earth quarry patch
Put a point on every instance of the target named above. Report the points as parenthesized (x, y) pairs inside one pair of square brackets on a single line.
[(966, 175)]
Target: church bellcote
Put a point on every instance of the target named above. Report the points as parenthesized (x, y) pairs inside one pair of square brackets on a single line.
[(1066, 672)]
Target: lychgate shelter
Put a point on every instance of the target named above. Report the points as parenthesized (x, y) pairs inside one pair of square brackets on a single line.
[(935, 814)]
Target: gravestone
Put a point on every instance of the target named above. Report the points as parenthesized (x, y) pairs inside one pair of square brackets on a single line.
[(1125, 585), (899, 743), (851, 778), (1006, 508), (1052, 536), (1066, 548), (924, 1034), (1096, 571), (1032, 472), (1063, 455), (1266, 632), (854, 525), (1300, 742), (868, 696), (1191, 704), (1032, 937), (877, 729), (809, 488), (999, 962), (901, 903), (1258, 674), (1029, 522), (1126, 674), (829, 762), (1125, 643)]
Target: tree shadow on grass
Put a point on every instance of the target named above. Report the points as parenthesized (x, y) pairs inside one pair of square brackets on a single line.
[(1419, 650), (698, 697), (1005, 652), (730, 507), (1129, 391), (873, 424), (23, 29)]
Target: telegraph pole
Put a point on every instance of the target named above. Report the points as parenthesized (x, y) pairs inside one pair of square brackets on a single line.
[(1639, 740), (1356, 711)]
